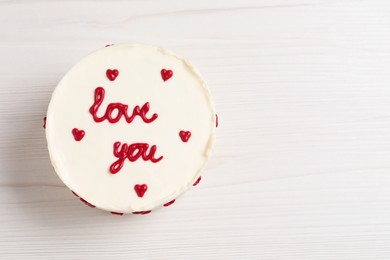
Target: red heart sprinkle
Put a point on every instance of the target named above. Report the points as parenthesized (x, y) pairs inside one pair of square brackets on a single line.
[(142, 212), (75, 193), (185, 135), (166, 74), (78, 134), (169, 203), (140, 189), (112, 74), (87, 203), (197, 181)]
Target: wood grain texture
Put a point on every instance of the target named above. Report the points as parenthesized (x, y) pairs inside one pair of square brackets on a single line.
[(301, 168)]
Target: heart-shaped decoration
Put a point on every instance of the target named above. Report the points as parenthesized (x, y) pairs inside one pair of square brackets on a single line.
[(169, 203), (78, 134), (197, 181), (185, 135), (112, 74), (87, 203), (140, 189), (166, 74), (142, 212)]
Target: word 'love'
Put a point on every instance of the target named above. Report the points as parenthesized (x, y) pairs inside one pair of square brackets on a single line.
[(132, 152), (121, 110)]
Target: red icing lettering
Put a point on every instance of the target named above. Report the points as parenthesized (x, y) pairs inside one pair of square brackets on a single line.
[(116, 213), (120, 108), (44, 122), (216, 120), (132, 152)]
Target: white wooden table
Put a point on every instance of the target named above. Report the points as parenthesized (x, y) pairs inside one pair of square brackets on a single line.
[(301, 169)]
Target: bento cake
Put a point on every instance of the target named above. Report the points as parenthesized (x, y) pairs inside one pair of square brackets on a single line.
[(130, 127)]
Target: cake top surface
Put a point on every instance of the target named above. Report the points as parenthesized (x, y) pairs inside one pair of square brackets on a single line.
[(130, 127)]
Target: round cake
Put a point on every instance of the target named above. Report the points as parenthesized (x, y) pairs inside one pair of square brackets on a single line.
[(130, 127)]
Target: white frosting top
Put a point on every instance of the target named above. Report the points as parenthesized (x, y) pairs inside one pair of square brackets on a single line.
[(82, 149)]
